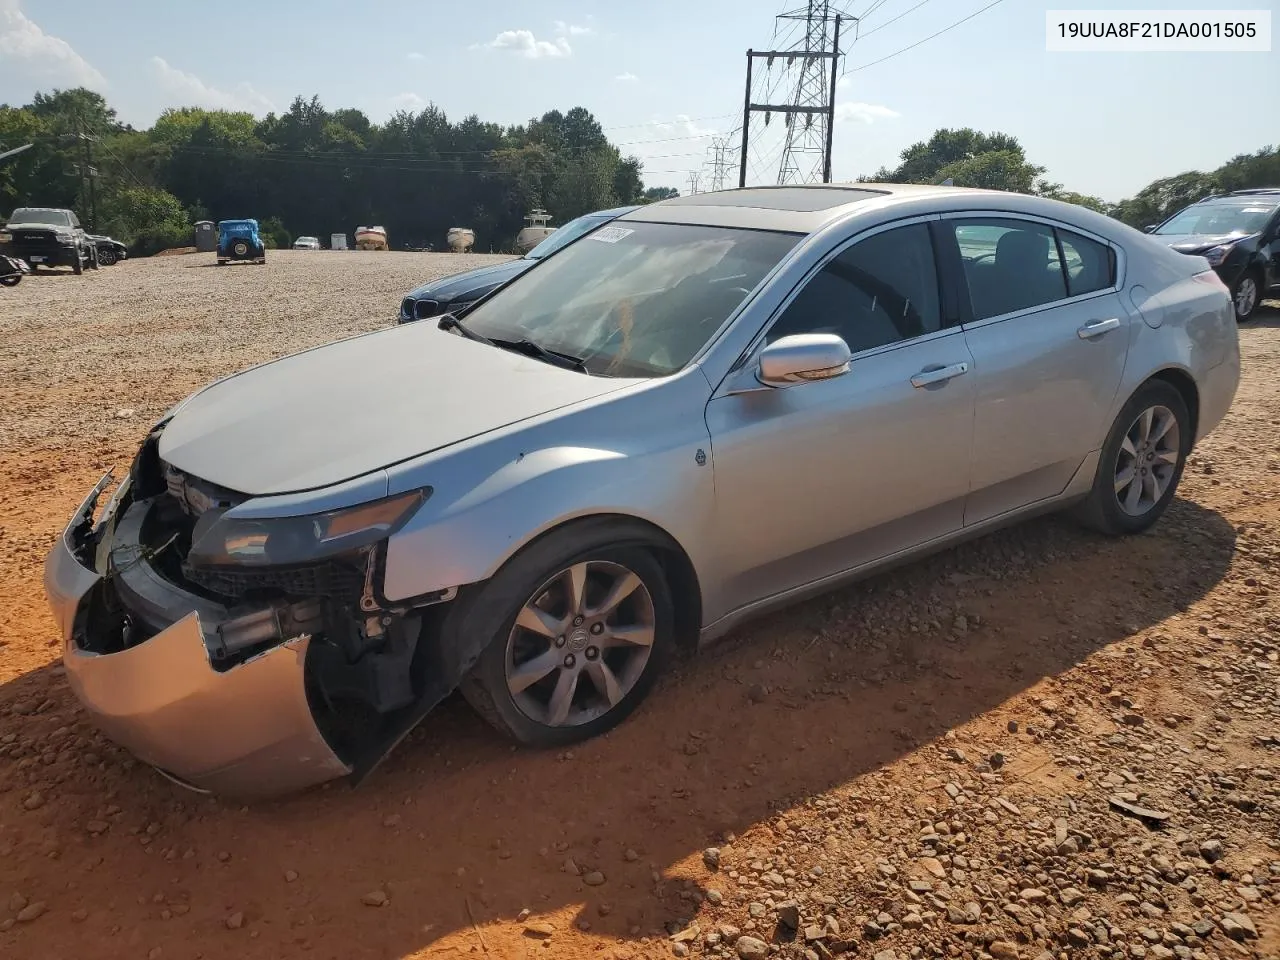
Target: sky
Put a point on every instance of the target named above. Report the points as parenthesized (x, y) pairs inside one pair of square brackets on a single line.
[(663, 77)]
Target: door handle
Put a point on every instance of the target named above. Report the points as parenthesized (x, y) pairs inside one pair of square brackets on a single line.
[(939, 374), (1096, 328)]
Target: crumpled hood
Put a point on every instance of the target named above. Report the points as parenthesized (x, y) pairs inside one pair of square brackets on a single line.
[(466, 286), (1197, 243), (339, 411)]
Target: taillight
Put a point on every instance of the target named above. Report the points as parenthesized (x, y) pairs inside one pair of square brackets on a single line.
[(1211, 278)]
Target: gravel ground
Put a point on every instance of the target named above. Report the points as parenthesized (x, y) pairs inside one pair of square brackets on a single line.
[(1042, 744)]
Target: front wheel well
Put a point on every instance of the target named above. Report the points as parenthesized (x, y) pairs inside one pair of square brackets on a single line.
[(1182, 381), (682, 578)]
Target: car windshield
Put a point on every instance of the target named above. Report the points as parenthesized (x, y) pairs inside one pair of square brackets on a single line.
[(564, 235), (57, 218), (633, 299), (1239, 217)]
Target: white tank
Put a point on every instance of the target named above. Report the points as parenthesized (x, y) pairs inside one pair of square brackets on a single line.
[(461, 239)]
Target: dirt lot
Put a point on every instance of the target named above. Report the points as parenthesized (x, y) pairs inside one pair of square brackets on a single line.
[(931, 764)]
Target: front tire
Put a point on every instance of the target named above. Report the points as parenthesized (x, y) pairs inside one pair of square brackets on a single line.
[(1246, 295), (579, 625), (106, 257), (1141, 462), (77, 265)]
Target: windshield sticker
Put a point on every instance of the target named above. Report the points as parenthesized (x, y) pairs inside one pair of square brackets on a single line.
[(609, 234)]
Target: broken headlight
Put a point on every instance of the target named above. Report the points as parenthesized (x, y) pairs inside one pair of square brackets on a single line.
[(277, 541)]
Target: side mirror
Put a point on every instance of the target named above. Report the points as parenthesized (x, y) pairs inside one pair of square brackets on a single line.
[(802, 358), (1150, 228)]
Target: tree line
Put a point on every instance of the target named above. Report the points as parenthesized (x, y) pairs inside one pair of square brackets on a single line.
[(310, 171), (997, 161), (314, 171)]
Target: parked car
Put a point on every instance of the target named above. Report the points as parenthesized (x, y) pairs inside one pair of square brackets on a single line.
[(1239, 234), (711, 407), (240, 240), (48, 237), (306, 243), (458, 292), (110, 251)]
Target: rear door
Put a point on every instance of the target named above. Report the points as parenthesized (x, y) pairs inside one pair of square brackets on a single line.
[(1049, 337)]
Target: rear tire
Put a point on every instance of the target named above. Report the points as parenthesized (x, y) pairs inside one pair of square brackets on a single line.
[(605, 655), (1141, 462), (12, 281), (106, 257)]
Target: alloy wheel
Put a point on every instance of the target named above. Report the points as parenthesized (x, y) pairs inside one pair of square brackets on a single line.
[(1246, 297), (1148, 460), (580, 644)]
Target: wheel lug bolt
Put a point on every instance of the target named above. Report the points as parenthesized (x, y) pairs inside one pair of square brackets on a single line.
[(577, 621), (592, 653), (597, 628), (569, 661), (559, 641)]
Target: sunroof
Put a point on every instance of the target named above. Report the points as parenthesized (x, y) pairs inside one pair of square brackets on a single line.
[(797, 199)]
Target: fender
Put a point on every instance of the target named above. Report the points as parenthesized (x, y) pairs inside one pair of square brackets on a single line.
[(492, 498)]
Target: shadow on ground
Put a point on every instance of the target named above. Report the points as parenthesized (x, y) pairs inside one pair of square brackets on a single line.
[(458, 829)]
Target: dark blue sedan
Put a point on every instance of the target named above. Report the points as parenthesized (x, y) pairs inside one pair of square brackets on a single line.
[(456, 293)]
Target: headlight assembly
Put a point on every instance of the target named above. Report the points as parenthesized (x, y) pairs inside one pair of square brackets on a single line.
[(1217, 255), (231, 541)]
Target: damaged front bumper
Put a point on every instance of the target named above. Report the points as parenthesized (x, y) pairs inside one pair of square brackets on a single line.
[(243, 730)]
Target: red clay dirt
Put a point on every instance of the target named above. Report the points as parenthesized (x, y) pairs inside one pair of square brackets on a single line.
[(987, 703)]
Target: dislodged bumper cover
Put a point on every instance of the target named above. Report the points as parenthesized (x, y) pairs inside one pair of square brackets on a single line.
[(244, 732)]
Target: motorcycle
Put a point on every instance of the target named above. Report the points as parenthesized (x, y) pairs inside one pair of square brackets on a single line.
[(12, 271)]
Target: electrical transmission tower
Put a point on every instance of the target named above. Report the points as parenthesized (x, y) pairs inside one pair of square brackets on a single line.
[(721, 151), (810, 113), (695, 181)]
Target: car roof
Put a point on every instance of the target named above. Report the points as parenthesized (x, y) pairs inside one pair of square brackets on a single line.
[(611, 213), (1242, 196), (793, 209)]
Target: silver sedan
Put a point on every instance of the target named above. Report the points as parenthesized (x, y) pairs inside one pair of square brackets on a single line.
[(708, 408)]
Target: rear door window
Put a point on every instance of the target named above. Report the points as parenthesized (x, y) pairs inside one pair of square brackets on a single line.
[(1091, 266), (1010, 265)]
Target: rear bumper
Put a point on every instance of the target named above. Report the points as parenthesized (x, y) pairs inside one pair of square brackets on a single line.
[(246, 731)]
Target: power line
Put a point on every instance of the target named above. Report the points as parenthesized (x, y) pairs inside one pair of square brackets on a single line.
[(868, 33), (928, 38)]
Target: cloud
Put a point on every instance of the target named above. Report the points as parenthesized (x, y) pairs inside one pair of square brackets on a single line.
[(415, 56), (195, 92), (627, 77), (859, 112), (39, 56), (682, 126), (573, 29), (524, 43), (408, 101)]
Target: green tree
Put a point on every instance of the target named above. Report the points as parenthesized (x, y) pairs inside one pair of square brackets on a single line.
[(1161, 199)]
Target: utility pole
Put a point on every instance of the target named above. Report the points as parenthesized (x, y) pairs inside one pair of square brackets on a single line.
[(810, 113), (88, 174)]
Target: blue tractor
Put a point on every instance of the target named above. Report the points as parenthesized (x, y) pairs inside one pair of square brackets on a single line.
[(240, 240)]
